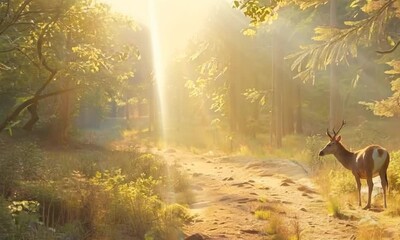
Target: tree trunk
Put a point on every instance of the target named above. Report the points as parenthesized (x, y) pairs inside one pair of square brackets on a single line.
[(14, 114), (334, 99), (287, 101), (62, 125), (298, 112), (34, 116), (277, 115), (64, 109)]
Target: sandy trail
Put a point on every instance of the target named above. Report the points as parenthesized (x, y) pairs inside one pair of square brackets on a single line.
[(228, 190)]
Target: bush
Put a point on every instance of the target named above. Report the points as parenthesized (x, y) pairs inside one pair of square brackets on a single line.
[(394, 171), (136, 209), (98, 194), (342, 181), (313, 146)]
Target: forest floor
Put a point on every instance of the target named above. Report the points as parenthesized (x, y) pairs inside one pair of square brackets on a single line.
[(228, 190)]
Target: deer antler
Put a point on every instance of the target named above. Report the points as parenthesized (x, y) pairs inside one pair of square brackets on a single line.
[(336, 133), (327, 133)]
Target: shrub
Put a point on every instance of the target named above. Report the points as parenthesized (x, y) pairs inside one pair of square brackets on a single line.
[(313, 145), (263, 215), (342, 181), (136, 209), (394, 171), (288, 229), (334, 208)]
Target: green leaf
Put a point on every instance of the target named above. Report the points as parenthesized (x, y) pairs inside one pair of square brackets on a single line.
[(249, 32)]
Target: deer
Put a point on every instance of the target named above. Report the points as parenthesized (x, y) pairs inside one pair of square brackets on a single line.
[(365, 163)]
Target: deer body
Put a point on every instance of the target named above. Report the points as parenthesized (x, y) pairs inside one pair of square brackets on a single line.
[(365, 163)]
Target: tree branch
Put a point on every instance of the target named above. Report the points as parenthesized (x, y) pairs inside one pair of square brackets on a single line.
[(6, 13), (29, 102), (16, 16), (27, 56), (45, 84), (8, 50), (390, 50)]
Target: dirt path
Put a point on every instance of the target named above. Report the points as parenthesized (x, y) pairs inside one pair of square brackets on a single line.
[(228, 190)]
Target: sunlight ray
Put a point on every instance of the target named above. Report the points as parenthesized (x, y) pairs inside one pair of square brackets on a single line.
[(159, 70)]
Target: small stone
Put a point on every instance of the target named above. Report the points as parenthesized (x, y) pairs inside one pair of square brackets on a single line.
[(197, 236)]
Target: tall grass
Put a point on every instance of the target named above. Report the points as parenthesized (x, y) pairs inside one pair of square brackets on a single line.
[(90, 194)]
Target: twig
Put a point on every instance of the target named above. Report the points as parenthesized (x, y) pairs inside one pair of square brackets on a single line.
[(390, 50)]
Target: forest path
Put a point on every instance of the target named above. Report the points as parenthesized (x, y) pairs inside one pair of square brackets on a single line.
[(228, 190)]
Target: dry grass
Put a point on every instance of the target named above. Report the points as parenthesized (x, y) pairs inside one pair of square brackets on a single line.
[(393, 204), (283, 229), (334, 208), (262, 215), (368, 232), (279, 225)]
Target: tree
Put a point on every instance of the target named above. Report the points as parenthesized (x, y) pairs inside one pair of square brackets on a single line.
[(77, 48), (373, 26)]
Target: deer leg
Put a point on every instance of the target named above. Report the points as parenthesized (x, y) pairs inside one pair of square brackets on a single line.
[(370, 187), (358, 181), (384, 183)]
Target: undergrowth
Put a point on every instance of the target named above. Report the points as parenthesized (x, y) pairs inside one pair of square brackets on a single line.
[(89, 194)]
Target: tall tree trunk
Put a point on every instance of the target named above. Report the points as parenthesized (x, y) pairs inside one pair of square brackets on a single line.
[(64, 109), (298, 112), (233, 100), (287, 101), (277, 115), (64, 118), (334, 99)]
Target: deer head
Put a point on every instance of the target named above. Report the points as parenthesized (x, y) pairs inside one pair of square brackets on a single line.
[(334, 141)]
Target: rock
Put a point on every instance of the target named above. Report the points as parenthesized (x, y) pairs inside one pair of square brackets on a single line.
[(303, 209), (197, 236), (228, 179), (250, 231), (197, 174), (288, 180), (284, 184), (306, 190)]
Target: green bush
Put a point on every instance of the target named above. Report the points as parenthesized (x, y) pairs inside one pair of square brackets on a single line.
[(394, 171), (313, 145), (342, 181), (101, 194), (135, 208)]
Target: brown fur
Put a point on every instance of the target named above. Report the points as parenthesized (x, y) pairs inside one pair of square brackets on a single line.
[(361, 164)]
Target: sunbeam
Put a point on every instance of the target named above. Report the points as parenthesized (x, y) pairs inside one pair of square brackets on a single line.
[(158, 66)]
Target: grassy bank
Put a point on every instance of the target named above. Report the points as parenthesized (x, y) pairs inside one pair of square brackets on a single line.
[(89, 193)]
